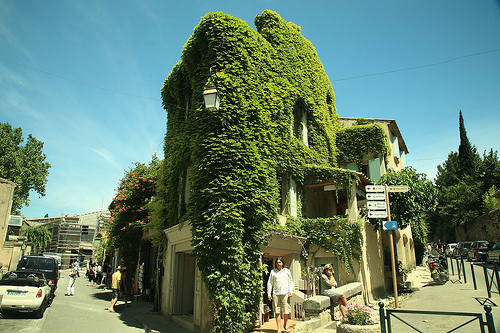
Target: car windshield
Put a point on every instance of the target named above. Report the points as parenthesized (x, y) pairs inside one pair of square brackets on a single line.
[(23, 278), (46, 264)]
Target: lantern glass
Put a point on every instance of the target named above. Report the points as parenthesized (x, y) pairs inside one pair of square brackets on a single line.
[(212, 99)]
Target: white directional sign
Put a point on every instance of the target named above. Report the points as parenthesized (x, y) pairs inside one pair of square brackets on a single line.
[(377, 214), (398, 188), (375, 196), (376, 205), (375, 188)]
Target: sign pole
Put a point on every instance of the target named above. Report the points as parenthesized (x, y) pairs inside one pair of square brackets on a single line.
[(393, 257)]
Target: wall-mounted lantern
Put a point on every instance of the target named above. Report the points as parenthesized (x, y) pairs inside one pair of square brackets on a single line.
[(212, 99)]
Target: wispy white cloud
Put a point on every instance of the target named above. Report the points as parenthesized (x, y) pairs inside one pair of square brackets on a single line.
[(104, 154)]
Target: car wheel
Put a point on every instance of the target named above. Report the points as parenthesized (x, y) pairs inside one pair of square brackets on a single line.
[(39, 313)]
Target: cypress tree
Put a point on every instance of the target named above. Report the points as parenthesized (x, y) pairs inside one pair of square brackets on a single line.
[(465, 151)]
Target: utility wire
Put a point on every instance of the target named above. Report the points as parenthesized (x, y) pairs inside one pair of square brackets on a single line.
[(85, 84), (337, 80), (416, 67)]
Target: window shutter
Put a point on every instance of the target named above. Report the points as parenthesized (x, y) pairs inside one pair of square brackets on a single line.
[(374, 169)]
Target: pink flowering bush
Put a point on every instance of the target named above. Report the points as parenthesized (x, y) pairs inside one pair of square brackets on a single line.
[(359, 315)]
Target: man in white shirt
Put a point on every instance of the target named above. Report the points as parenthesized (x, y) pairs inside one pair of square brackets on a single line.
[(281, 284)]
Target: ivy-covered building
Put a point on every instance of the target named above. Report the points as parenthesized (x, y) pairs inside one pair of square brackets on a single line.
[(260, 177)]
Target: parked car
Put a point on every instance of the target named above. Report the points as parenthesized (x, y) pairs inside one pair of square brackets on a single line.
[(478, 251), (25, 291), (460, 251), (44, 264), (449, 249), (494, 254)]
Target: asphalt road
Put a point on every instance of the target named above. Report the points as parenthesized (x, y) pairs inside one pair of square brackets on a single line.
[(85, 312)]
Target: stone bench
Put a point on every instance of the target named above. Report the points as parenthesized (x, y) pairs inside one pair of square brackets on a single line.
[(318, 309)]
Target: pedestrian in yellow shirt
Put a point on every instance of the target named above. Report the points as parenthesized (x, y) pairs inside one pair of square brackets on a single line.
[(115, 287)]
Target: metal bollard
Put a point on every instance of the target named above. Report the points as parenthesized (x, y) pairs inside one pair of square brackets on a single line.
[(489, 319), (463, 271), (473, 275), (381, 312)]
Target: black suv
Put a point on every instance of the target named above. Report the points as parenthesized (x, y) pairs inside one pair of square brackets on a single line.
[(46, 265)]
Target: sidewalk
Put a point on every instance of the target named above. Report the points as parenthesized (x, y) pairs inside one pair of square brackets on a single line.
[(453, 296), (152, 322)]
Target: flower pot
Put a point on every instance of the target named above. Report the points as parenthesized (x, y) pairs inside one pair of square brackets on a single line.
[(346, 328)]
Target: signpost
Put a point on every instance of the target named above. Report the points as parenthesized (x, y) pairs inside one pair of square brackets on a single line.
[(390, 225), (378, 207), (398, 188)]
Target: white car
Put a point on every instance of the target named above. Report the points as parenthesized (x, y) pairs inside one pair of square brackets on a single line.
[(449, 249), (24, 291), (494, 253)]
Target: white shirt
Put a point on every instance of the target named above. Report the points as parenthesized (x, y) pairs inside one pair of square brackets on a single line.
[(280, 282)]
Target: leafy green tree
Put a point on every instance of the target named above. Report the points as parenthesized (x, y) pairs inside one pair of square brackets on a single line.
[(413, 207), (489, 170), (129, 212), (40, 237), (462, 183), (22, 164), (489, 203)]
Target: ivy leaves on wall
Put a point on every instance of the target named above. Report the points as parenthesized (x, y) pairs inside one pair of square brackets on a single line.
[(355, 142), (230, 159)]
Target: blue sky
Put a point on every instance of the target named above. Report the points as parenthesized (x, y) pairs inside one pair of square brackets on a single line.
[(84, 77)]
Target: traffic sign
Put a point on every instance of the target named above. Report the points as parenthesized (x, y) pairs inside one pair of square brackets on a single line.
[(375, 188), (390, 225), (375, 196), (398, 188), (377, 214), (374, 205)]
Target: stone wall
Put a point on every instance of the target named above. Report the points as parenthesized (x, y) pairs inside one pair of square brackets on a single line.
[(485, 227)]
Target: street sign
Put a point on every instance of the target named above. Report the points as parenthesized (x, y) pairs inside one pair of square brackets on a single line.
[(390, 225), (375, 196), (377, 214), (376, 205), (375, 188), (398, 188)]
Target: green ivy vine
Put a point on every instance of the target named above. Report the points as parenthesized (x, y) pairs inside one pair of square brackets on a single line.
[(336, 235), (361, 139), (231, 158)]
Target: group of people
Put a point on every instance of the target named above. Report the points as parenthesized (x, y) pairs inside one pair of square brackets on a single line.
[(118, 285), (280, 288), (97, 274)]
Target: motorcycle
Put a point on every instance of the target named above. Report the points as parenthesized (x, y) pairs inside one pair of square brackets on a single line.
[(438, 265)]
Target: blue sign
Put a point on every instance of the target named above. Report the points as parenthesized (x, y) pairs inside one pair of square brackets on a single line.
[(390, 225)]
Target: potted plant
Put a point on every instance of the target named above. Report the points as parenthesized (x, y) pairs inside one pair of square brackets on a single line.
[(358, 319)]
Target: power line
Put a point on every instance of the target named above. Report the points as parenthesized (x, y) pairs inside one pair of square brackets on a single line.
[(337, 80), (416, 67), (79, 82)]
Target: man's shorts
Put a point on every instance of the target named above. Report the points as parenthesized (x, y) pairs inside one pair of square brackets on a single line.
[(115, 294), (280, 304)]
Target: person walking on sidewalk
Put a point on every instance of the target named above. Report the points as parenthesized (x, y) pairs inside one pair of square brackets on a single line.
[(328, 285), (281, 284), (116, 279), (70, 290)]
